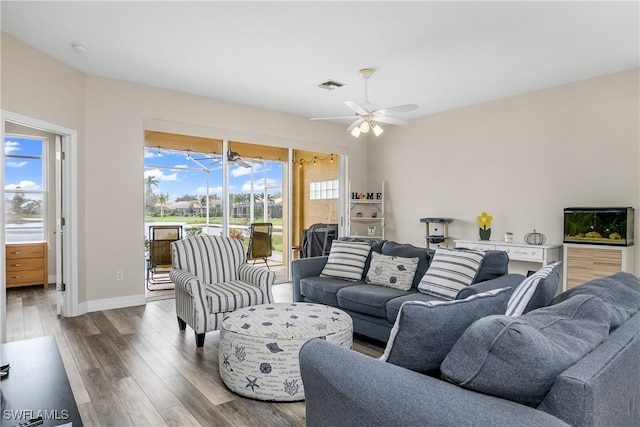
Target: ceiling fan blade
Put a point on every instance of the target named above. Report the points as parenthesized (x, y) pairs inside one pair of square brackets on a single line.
[(398, 109), (334, 118), (354, 125), (390, 120), (355, 107), (242, 163)]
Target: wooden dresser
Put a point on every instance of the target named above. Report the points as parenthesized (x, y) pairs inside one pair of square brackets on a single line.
[(27, 264)]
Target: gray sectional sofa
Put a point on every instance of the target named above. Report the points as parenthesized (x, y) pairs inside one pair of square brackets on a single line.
[(574, 362), (374, 308)]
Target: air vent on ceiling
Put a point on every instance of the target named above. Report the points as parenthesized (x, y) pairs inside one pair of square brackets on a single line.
[(330, 84)]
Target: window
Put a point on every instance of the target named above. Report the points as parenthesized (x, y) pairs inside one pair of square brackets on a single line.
[(25, 188), (323, 190)]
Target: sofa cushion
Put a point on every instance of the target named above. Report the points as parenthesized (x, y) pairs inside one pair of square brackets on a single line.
[(424, 332), (536, 290), (494, 264), (519, 358), (406, 250), (450, 271), (368, 299), (621, 292), (323, 289), (346, 260), (392, 271), (393, 305)]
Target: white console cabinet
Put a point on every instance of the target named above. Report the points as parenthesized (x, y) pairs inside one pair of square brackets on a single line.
[(544, 254)]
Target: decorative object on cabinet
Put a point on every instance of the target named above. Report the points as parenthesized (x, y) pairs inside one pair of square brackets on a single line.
[(535, 238), (27, 264), (599, 226), (366, 215), (583, 263), (437, 234), (544, 254), (484, 222)]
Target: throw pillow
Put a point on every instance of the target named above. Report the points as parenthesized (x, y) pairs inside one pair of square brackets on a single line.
[(535, 291), (424, 332), (392, 271), (346, 260), (407, 250), (450, 271), (519, 358)]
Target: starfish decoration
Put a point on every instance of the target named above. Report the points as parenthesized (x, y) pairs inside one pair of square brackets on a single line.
[(226, 363), (252, 383)]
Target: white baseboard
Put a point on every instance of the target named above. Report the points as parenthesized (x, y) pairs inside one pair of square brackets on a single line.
[(111, 303)]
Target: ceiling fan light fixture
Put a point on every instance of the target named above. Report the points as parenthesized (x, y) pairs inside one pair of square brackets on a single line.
[(365, 126), (356, 131), (377, 129)]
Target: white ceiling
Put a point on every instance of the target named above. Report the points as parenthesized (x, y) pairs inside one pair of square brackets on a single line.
[(439, 55)]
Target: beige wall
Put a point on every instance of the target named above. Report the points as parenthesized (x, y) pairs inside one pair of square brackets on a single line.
[(110, 117), (522, 159)]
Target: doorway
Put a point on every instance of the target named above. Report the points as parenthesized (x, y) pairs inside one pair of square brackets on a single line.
[(66, 258)]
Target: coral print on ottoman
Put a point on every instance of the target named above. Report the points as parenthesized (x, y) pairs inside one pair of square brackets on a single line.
[(484, 222)]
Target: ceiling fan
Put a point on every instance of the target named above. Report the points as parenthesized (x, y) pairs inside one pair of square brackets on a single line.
[(368, 116), (232, 157)]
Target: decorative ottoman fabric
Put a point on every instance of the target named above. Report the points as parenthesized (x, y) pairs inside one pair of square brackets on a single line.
[(259, 346)]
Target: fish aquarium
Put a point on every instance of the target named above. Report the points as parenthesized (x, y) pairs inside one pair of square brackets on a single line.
[(604, 226)]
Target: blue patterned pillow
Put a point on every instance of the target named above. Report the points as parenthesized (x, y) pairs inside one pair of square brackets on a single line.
[(346, 260), (450, 271), (391, 271)]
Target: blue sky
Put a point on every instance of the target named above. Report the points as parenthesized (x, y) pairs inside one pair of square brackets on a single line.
[(25, 174), (190, 179)]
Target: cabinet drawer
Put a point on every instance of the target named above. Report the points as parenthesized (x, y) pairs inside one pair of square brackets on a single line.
[(25, 264), (476, 246), (29, 276), (25, 251), (523, 253)]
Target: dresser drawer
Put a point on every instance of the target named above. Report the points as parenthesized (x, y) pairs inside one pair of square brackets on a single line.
[(523, 253), (25, 264), (25, 251), (25, 277)]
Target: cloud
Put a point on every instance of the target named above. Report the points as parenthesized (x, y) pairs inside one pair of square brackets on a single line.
[(23, 185), (238, 171), (11, 146), (202, 191), (258, 186), (161, 176), (12, 164)]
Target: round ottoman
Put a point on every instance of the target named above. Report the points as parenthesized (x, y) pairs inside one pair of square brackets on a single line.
[(259, 346)]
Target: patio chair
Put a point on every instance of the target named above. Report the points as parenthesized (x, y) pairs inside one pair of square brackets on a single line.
[(212, 278), (159, 262), (260, 246)]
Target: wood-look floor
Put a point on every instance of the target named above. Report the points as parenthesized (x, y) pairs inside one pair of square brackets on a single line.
[(134, 367)]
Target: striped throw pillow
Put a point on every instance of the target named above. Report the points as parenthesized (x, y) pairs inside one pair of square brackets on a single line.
[(450, 271), (526, 290), (346, 260)]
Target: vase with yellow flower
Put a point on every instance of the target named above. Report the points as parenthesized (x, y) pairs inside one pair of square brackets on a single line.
[(484, 222)]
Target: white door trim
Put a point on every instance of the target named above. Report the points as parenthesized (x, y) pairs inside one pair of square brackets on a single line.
[(70, 146)]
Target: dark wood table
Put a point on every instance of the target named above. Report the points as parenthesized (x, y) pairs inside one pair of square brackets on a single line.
[(37, 384)]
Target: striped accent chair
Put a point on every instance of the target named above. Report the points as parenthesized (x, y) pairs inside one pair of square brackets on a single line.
[(212, 278)]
